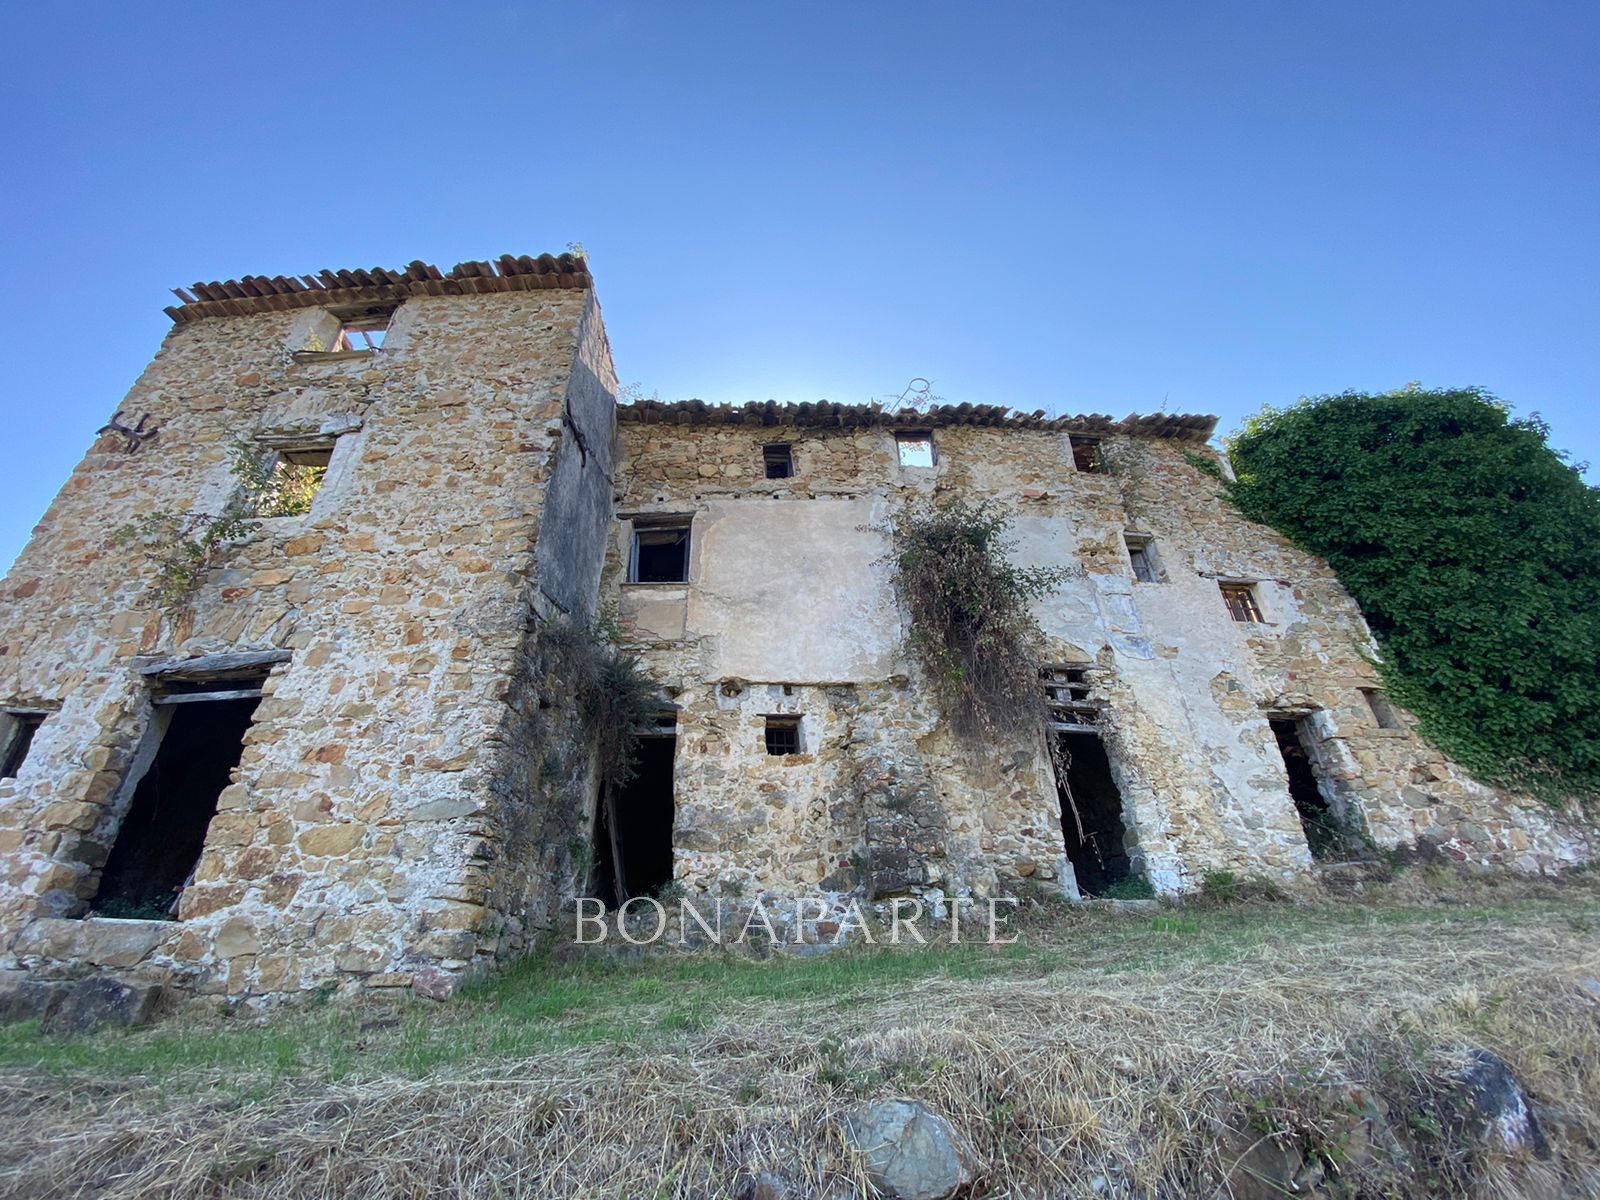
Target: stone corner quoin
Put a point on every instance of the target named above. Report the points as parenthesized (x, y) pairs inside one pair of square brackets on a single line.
[(346, 757)]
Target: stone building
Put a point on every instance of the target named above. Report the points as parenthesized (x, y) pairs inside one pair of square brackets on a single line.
[(349, 753)]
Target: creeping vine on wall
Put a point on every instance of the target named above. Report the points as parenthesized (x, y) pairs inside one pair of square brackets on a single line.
[(1472, 547), (971, 621), (184, 545)]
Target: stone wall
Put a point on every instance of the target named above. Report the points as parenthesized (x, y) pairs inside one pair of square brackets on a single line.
[(790, 608), (379, 823)]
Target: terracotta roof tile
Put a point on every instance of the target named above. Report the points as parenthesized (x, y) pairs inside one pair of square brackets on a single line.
[(258, 294), (1185, 427)]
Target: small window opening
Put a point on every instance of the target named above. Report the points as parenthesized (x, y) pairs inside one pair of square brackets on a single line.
[(783, 735), (17, 734), (1241, 601), (1092, 824), (1324, 835), (1066, 692), (1086, 455), (297, 475), (633, 824), (198, 732), (779, 460), (1382, 711), (363, 332), (915, 448), (1141, 554), (660, 554)]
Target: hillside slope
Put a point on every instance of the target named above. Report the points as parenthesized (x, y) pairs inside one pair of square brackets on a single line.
[(1203, 1051)]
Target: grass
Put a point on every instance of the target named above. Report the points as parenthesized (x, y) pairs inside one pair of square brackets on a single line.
[(1100, 1040)]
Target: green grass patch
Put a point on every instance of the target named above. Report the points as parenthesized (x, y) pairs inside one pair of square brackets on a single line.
[(544, 1003)]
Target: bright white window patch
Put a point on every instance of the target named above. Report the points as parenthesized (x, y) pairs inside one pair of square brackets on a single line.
[(915, 448)]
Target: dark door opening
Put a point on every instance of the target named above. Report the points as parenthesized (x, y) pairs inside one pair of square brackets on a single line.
[(1323, 833), (159, 843), (633, 828), (1091, 814)]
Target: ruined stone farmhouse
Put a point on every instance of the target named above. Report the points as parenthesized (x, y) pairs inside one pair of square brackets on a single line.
[(350, 752)]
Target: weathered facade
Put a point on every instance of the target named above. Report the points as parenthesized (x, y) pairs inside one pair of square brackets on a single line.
[(349, 756), (789, 608)]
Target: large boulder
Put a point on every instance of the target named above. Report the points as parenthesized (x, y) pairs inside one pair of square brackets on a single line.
[(910, 1152), (100, 1000), (25, 999)]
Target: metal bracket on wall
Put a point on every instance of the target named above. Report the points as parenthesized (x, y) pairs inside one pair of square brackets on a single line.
[(136, 435)]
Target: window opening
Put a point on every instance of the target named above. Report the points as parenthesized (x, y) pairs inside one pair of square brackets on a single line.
[(363, 332), (18, 741), (298, 473), (1086, 455), (633, 825), (660, 554), (1324, 834), (783, 735), (1142, 555), (1241, 601), (779, 460), (200, 727), (915, 448), (1382, 711)]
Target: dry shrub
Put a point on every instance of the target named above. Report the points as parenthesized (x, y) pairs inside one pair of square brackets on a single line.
[(971, 621)]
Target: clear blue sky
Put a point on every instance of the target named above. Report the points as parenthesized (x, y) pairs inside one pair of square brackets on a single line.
[(1104, 207)]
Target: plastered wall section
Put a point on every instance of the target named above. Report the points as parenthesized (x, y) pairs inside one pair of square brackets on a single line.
[(790, 609), (365, 835)]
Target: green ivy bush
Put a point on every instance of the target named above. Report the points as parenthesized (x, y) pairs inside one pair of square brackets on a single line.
[(1472, 547)]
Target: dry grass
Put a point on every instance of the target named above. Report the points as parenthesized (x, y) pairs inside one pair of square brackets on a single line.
[(1111, 1047)]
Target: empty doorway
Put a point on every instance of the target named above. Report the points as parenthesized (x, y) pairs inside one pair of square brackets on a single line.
[(195, 741), (1324, 833), (1091, 813), (1092, 824), (633, 827)]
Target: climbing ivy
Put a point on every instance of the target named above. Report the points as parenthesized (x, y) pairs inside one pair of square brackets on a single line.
[(971, 620), (1472, 547)]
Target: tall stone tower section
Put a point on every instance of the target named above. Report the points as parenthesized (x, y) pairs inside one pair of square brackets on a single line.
[(330, 758)]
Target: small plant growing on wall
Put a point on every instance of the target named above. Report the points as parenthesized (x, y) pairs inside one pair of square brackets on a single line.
[(184, 545), (614, 695), (971, 621)]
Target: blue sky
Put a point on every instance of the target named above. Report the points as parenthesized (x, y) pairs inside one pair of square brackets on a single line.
[(1095, 207)]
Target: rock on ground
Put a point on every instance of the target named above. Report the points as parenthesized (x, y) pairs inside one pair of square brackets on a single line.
[(97, 1001), (910, 1152), (1500, 1104)]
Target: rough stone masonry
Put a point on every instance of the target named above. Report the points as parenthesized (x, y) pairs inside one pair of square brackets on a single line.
[(346, 757)]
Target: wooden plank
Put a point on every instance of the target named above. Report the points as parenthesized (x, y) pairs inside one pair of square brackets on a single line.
[(212, 665), (199, 697)]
